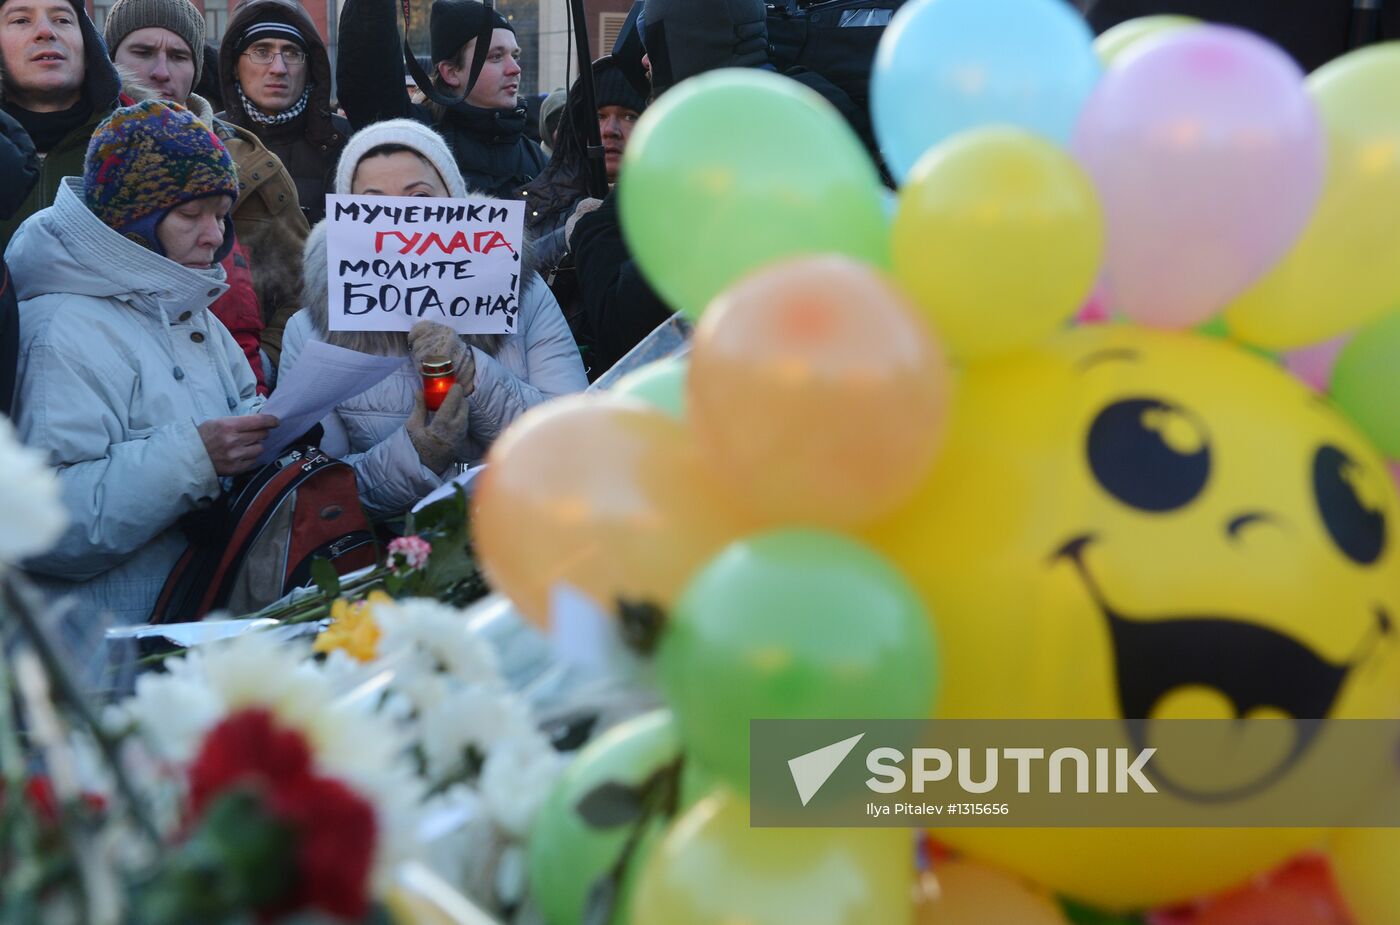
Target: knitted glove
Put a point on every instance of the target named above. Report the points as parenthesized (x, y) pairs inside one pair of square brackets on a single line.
[(443, 440), (583, 208), (430, 339)]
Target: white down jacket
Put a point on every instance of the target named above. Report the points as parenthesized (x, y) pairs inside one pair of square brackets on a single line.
[(120, 361), (538, 362)]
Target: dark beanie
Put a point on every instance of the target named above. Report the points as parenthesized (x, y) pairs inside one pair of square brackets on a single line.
[(454, 23), (271, 29), (612, 88)]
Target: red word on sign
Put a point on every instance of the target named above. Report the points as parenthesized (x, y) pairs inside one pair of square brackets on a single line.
[(482, 242)]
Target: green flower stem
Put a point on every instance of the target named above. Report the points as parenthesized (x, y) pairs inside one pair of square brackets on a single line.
[(20, 602)]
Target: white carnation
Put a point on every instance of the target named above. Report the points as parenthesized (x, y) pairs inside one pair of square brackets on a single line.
[(32, 515), (476, 717), (517, 778), (423, 635)]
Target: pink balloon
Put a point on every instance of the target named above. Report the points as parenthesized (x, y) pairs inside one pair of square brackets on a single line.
[(1208, 155), (1314, 364)]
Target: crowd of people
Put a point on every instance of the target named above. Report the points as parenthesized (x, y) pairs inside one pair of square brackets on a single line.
[(165, 253)]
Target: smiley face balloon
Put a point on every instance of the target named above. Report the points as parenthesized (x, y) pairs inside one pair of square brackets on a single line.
[(1142, 524)]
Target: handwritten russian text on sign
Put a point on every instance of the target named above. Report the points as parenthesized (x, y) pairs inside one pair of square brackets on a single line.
[(394, 261)]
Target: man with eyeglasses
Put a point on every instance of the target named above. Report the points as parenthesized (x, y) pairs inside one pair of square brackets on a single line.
[(276, 78)]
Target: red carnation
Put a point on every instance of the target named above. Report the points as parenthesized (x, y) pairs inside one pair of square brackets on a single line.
[(334, 826)]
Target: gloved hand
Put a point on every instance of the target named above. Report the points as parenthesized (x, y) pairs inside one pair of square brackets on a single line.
[(443, 440), (583, 208), (430, 339)]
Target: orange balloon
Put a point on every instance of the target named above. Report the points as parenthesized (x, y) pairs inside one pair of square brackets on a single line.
[(606, 495), (820, 392), (971, 894)]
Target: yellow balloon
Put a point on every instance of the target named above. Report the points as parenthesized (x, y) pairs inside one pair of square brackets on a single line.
[(1112, 46), (1365, 862), (967, 893), (714, 869), (1117, 481), (1341, 274), (999, 236)]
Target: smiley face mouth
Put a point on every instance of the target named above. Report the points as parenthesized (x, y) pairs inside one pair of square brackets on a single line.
[(1251, 666)]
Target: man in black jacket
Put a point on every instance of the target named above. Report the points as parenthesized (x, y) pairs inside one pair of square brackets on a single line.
[(683, 38), (485, 128), (1312, 31), (19, 165), (276, 79)]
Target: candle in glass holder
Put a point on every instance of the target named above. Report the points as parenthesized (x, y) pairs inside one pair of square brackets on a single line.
[(439, 376)]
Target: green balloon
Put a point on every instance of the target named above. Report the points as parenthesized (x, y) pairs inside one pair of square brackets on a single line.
[(1366, 382), (568, 855), (736, 169), (794, 624), (660, 384)]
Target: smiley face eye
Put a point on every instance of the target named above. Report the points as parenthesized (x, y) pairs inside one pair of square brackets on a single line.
[(1149, 454), (1349, 506)]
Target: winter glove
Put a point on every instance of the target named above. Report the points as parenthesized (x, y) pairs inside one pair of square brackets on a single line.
[(443, 440), (430, 339), (583, 208)]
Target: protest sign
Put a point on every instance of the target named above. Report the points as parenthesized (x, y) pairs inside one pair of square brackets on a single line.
[(394, 261)]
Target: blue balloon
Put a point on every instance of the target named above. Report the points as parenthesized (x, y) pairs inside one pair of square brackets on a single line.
[(946, 66)]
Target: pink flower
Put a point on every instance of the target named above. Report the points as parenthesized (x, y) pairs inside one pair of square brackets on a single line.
[(408, 554)]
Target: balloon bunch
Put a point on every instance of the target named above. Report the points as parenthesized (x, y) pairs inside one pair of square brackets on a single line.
[(896, 479)]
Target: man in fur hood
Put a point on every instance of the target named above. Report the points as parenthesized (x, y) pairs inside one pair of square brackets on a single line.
[(157, 46)]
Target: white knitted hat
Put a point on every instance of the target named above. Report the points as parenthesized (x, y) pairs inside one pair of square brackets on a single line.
[(404, 132)]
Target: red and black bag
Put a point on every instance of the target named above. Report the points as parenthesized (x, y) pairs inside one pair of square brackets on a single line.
[(260, 542)]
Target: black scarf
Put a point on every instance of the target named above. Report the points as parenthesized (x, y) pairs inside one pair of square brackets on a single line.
[(493, 126), (47, 129)]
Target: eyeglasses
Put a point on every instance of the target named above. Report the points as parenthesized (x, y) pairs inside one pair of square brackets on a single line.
[(291, 57)]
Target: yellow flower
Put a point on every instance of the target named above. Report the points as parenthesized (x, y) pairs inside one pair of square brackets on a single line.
[(353, 628)]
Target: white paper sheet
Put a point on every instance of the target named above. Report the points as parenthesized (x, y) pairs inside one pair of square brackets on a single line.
[(324, 376), (582, 634), (446, 489)]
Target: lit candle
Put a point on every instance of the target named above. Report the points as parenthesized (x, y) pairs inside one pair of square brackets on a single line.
[(439, 376)]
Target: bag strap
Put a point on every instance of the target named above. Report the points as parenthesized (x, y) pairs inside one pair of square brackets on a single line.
[(415, 70), (1366, 26)]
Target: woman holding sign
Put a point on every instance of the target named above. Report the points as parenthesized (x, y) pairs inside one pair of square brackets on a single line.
[(401, 452)]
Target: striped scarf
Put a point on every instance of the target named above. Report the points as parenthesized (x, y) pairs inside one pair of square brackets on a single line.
[(283, 117)]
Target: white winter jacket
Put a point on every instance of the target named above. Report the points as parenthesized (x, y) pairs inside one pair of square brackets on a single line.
[(119, 364), (538, 362)]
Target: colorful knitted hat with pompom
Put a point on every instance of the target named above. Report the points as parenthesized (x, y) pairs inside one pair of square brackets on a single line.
[(149, 158)]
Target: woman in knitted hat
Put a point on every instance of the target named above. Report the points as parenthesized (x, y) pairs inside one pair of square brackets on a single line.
[(399, 456), (140, 399)]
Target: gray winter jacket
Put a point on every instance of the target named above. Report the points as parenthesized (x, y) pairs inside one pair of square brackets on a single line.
[(120, 361), (514, 372)]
